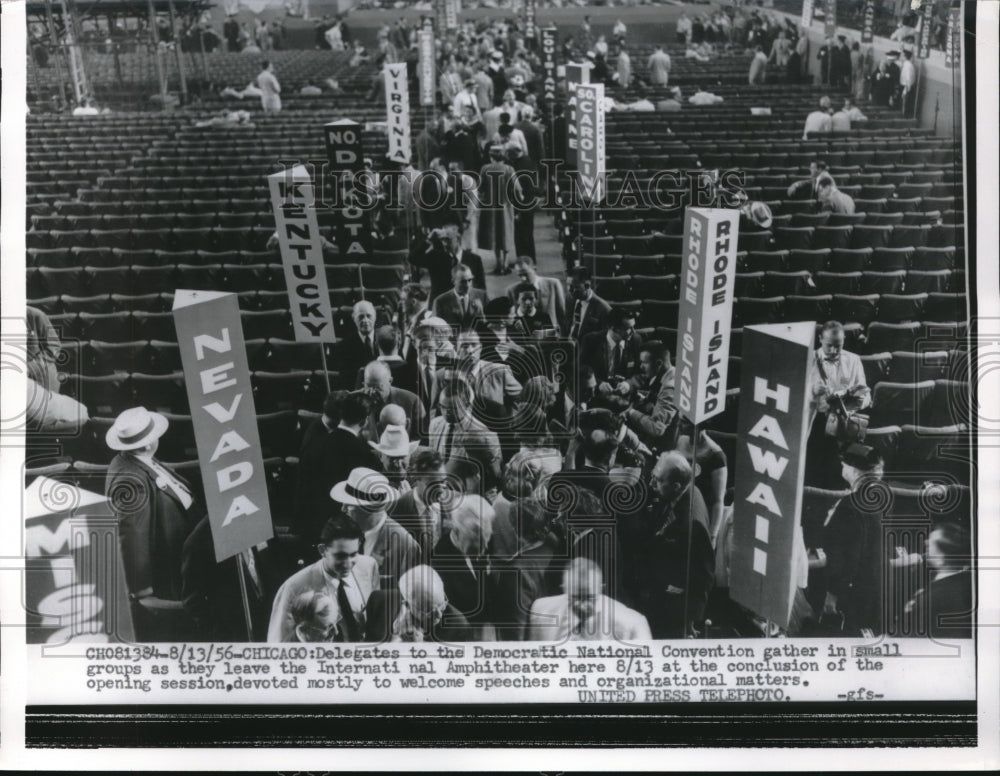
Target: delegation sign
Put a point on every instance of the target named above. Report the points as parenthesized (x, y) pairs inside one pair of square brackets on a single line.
[(770, 464), (217, 375), (397, 107), (705, 311)]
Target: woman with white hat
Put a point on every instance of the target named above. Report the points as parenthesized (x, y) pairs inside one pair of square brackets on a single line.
[(365, 497), (156, 509)]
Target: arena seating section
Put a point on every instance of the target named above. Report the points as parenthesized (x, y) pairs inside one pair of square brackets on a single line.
[(126, 208)]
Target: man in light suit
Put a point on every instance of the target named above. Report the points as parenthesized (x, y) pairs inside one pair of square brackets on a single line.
[(589, 313), (551, 296), (456, 434), (463, 305), (583, 612), (342, 572)]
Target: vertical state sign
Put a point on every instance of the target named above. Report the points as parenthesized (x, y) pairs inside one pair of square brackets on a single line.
[(549, 66), (293, 201), (529, 18), (590, 141), (74, 577), (428, 76), (807, 13), (451, 9), (397, 107), (830, 24), (576, 73), (217, 376), (770, 464), (953, 43), (924, 44), (868, 22), (705, 311), (345, 156)]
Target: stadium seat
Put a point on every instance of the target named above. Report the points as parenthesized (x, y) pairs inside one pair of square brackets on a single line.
[(659, 312), (808, 260), (749, 284), (163, 393), (808, 308), (277, 433), (276, 391), (102, 395), (885, 439), (883, 282), (269, 323), (108, 358), (890, 259), (942, 450), (604, 265), (832, 237), (764, 261), (951, 404), (164, 358), (789, 238), (929, 259), (946, 307), (655, 286), (837, 282), (636, 245), (910, 367), (785, 283), (928, 282), (901, 308), (864, 236), (891, 336), (904, 236), (748, 311), (896, 404), (614, 289)]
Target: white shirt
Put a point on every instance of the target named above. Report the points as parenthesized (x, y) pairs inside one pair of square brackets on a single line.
[(907, 74), (371, 536), (817, 121), (840, 121), (350, 587), (463, 100)]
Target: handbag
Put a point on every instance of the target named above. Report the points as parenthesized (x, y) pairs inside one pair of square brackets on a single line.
[(844, 425)]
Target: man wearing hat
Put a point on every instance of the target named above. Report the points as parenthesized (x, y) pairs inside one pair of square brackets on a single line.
[(852, 541), (498, 76), (341, 572), (156, 509), (394, 449), (364, 497)]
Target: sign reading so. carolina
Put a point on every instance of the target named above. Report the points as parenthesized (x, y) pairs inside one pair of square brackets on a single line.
[(590, 140), (770, 463), (428, 79), (74, 578), (705, 311), (549, 65), (345, 158), (397, 107), (225, 423), (576, 73), (293, 202), (451, 9)]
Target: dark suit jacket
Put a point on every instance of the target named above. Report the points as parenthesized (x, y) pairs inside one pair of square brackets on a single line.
[(524, 358), (326, 458), (383, 608), (533, 137), (472, 596), (439, 262), (403, 372), (594, 353), (152, 526), (413, 408), (406, 513), (212, 595), (594, 319), (350, 356), (447, 307)]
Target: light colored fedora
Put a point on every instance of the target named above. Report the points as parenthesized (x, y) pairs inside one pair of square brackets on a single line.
[(395, 442), (135, 428), (364, 488)]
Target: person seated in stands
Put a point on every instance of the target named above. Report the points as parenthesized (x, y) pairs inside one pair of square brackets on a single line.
[(673, 103), (831, 199), (250, 90), (806, 189), (819, 120), (846, 117), (701, 97)]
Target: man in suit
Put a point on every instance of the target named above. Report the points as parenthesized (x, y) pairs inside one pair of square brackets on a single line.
[(404, 375), (418, 611), (466, 570), (497, 335), (589, 312), (341, 572), (463, 305), (551, 296), (413, 310), (493, 385), (155, 508), (418, 510), (357, 348), (614, 352), (674, 558), (364, 497), (331, 447), (444, 251), (653, 412), (378, 385), (583, 612), (532, 134), (455, 433)]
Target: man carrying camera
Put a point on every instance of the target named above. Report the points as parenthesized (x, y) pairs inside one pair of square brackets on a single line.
[(838, 391)]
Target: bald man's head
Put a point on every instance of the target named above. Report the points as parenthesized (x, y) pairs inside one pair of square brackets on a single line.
[(671, 476), (583, 582), (378, 379)]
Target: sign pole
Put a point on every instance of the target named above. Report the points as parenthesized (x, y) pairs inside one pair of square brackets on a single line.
[(687, 571), (244, 596)]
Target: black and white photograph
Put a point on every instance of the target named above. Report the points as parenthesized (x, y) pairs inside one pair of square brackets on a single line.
[(492, 366)]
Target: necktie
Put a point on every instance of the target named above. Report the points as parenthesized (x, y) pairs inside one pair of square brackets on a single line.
[(352, 631), (577, 319), (463, 302), (449, 433), (616, 360), (370, 346)]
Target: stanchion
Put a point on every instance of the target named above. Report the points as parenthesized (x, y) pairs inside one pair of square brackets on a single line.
[(244, 595), (690, 519), (326, 372)]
